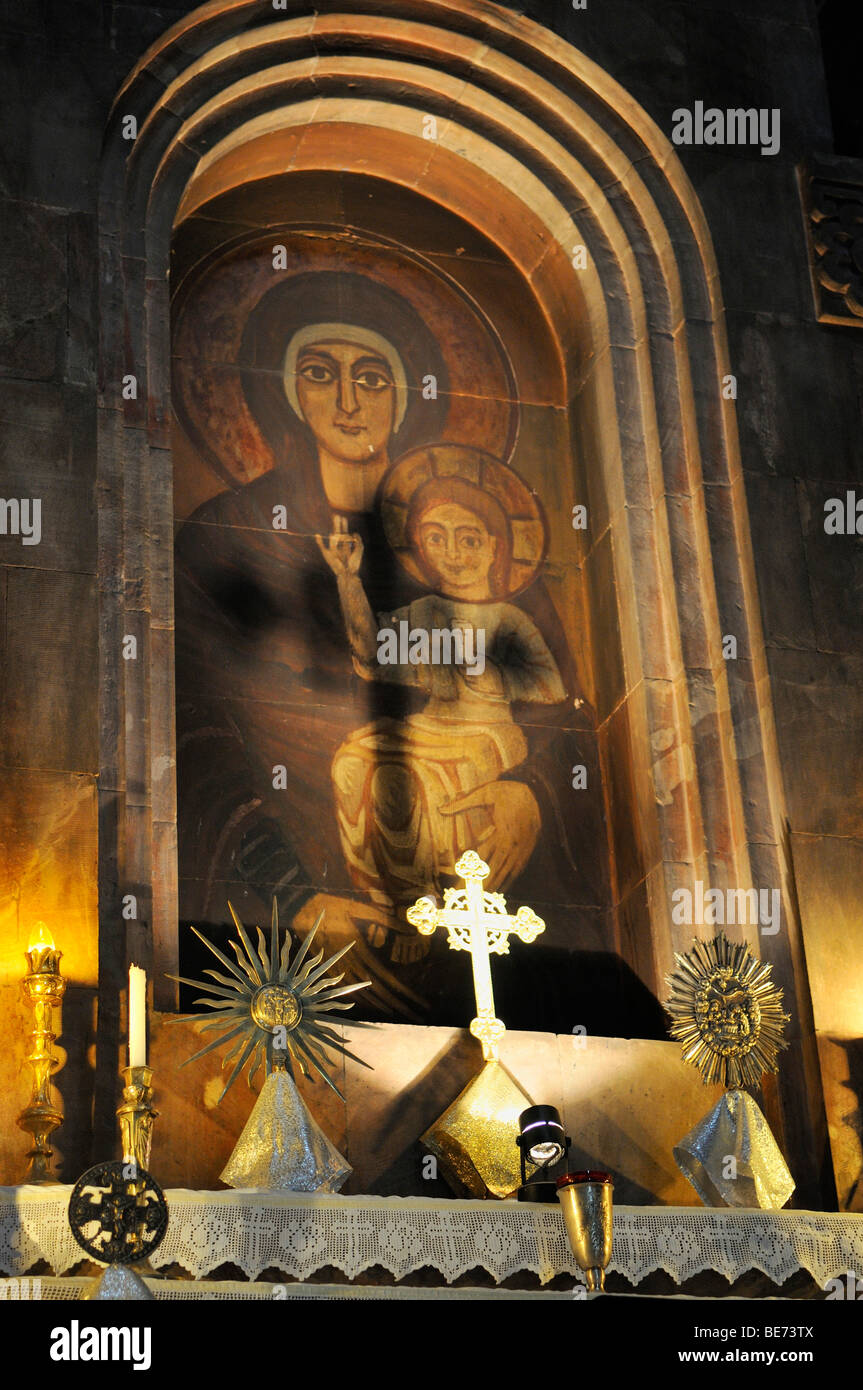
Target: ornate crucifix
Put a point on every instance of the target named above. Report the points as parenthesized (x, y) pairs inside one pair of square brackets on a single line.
[(478, 922)]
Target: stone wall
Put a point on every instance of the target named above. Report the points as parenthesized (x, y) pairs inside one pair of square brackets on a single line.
[(799, 391), (630, 1098), (61, 68)]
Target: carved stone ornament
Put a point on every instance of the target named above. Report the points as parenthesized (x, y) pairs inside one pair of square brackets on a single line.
[(832, 193)]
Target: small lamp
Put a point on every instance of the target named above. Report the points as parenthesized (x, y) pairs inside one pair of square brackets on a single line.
[(542, 1142)]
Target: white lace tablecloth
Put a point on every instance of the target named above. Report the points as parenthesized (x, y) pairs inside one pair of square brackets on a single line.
[(297, 1235), (232, 1290)]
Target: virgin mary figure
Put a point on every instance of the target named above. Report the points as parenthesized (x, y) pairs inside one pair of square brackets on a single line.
[(332, 365)]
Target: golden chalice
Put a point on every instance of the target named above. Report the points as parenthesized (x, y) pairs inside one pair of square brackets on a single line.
[(586, 1199)]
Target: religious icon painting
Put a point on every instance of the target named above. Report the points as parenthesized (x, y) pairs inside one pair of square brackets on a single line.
[(380, 652)]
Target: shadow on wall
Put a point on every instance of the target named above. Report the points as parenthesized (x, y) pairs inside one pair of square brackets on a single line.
[(541, 989), (75, 1085), (853, 1119)]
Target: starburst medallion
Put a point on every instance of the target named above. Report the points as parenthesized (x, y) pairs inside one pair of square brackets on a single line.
[(726, 1011), (272, 1008)]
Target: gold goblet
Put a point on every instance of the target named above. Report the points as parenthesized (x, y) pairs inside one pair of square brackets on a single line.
[(586, 1199)]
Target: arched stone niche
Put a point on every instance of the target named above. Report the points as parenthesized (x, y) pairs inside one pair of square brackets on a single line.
[(690, 766)]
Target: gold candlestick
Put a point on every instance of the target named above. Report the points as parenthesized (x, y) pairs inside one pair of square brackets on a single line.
[(136, 1116), (43, 986)]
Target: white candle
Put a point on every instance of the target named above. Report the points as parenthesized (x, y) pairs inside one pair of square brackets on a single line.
[(137, 1016)]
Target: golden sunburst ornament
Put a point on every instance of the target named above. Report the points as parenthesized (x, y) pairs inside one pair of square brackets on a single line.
[(271, 1007), (727, 1012)]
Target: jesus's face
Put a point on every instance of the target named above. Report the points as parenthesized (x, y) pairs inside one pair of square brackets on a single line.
[(348, 399), (457, 548)]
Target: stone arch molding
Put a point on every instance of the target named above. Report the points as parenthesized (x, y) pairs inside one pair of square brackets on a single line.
[(642, 357)]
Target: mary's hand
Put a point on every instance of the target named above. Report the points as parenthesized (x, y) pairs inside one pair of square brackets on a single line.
[(508, 843), (343, 552)]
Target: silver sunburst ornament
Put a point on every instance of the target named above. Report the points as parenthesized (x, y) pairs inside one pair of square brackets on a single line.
[(268, 998), (272, 1009)]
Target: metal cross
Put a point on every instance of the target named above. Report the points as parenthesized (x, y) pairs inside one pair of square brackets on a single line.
[(478, 922)]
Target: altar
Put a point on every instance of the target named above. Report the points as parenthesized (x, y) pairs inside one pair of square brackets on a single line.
[(426, 781), (276, 1245)]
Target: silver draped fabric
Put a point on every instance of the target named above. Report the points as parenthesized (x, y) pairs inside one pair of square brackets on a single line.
[(283, 1147), (118, 1282), (732, 1159)]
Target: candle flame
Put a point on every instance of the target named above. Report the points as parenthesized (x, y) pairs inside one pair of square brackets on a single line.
[(40, 937)]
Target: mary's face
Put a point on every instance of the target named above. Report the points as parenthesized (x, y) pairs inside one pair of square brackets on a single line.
[(458, 548), (348, 399)]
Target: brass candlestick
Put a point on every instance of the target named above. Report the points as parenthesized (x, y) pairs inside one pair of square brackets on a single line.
[(136, 1116), (43, 986)]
